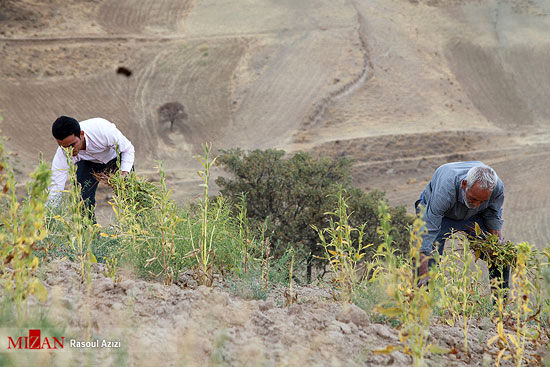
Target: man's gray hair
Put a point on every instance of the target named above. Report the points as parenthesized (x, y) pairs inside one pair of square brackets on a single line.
[(485, 175)]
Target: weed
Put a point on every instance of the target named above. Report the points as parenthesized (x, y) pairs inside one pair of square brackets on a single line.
[(249, 285)]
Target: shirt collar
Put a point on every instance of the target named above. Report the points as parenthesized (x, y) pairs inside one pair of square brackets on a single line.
[(461, 194)]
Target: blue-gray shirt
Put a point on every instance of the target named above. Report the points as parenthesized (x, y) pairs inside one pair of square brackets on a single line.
[(444, 197)]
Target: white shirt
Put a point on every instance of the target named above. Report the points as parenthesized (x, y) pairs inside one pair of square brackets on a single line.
[(102, 138)]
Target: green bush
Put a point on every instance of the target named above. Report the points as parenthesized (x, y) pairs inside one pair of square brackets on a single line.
[(294, 193)]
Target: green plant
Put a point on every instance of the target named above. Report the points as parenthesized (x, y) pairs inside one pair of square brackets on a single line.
[(497, 253), (204, 252), (249, 285), (545, 272), (111, 272), (21, 230), (294, 193), (81, 232), (244, 230), (460, 285), (290, 296), (167, 221), (520, 312), (410, 303), (337, 241)]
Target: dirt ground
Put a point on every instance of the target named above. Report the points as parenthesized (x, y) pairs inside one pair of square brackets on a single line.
[(190, 325), (401, 86)]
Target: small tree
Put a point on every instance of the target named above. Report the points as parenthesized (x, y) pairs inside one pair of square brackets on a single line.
[(296, 193), (172, 112)]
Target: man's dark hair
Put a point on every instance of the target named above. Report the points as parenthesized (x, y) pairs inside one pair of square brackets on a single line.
[(65, 126)]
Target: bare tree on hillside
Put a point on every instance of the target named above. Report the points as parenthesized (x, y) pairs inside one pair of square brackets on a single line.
[(172, 112)]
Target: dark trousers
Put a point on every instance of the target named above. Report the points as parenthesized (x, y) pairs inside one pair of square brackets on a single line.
[(466, 225), (87, 181)]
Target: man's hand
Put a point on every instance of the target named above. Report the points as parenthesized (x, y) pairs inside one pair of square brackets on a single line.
[(496, 232), (124, 173), (423, 270)]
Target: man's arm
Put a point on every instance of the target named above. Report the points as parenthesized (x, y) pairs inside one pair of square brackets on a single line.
[(441, 200), (60, 171), (115, 139), (492, 216), (496, 232)]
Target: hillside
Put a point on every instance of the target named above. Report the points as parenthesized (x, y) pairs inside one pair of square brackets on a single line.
[(400, 86)]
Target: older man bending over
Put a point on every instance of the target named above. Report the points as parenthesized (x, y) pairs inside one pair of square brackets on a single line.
[(459, 195)]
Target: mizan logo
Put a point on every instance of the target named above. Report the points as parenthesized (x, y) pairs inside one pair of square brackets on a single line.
[(34, 341)]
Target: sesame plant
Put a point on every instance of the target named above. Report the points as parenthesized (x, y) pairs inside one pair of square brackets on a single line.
[(81, 231), (133, 198), (460, 285), (497, 253), (244, 230), (21, 231), (147, 223), (165, 215), (545, 272), (520, 313), (341, 251), (203, 247), (409, 302), (290, 296)]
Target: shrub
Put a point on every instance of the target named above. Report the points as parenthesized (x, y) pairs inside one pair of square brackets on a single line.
[(295, 192)]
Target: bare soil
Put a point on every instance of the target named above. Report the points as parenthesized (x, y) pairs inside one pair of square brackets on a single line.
[(199, 326)]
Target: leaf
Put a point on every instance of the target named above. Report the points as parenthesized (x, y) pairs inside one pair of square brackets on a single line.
[(391, 311), (477, 254), (92, 258), (388, 349), (492, 340), (500, 330), (436, 349), (513, 339), (38, 290), (499, 356), (477, 229)]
